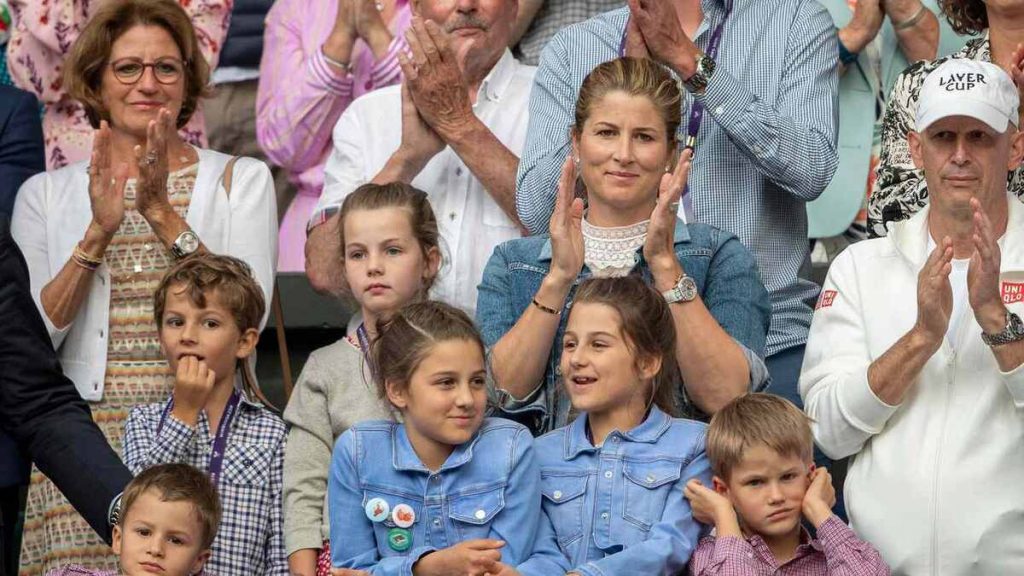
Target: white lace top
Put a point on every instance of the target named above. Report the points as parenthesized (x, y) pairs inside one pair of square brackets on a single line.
[(612, 252)]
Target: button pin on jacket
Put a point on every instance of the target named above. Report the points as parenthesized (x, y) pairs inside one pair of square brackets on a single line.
[(403, 516), (377, 510), (399, 539), (480, 515)]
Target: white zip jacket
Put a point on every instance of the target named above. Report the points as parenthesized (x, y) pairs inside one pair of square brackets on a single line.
[(52, 213), (936, 483)]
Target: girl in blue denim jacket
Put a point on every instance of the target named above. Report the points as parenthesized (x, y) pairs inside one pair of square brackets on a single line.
[(613, 479), (446, 491)]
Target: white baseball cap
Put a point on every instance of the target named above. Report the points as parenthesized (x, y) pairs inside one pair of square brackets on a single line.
[(962, 87)]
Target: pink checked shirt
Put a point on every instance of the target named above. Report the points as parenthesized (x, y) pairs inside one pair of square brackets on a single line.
[(836, 552), (301, 97), (43, 33)]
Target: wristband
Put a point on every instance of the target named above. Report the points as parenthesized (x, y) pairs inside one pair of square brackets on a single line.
[(845, 56), (909, 22)]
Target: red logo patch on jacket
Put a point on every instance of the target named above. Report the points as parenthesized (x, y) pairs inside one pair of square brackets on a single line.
[(1013, 292), (826, 299)]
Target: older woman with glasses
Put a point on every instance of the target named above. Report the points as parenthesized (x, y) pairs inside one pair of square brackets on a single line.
[(99, 235), (41, 39)]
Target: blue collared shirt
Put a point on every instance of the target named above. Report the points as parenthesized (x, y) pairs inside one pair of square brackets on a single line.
[(723, 270), (766, 146), (487, 488), (619, 508)]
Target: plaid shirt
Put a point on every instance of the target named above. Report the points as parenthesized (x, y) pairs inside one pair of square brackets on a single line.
[(250, 540), (836, 552), (552, 17)]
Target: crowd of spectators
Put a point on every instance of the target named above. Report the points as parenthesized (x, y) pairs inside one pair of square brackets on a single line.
[(589, 220)]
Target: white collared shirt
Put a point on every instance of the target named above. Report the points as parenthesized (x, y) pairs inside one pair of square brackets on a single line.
[(470, 221)]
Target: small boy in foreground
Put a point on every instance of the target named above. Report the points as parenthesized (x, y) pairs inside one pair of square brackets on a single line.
[(169, 518), (765, 481)]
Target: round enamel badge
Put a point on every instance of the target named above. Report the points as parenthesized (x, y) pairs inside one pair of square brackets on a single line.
[(403, 516), (399, 539), (377, 510)]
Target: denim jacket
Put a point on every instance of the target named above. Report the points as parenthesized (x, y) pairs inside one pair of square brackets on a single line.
[(723, 270), (487, 488), (619, 509)]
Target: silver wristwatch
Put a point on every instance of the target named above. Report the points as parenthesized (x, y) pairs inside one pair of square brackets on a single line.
[(699, 81), (685, 290), (185, 244), (1013, 332)]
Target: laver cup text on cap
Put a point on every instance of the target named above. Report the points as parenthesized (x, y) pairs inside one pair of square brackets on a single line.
[(964, 81)]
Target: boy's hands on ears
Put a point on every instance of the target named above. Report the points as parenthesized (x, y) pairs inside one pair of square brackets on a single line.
[(192, 385), (710, 507), (819, 498)]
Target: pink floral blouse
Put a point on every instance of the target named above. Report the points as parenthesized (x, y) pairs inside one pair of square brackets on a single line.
[(43, 33)]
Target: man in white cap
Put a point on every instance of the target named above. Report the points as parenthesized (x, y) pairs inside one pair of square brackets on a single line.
[(913, 363)]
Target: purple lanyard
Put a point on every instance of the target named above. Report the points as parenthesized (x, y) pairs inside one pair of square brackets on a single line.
[(220, 441), (364, 343), (697, 109)]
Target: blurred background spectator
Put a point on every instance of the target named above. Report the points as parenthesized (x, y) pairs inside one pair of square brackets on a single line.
[(538, 20)]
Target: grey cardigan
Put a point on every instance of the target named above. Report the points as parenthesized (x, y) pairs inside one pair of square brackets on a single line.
[(334, 392)]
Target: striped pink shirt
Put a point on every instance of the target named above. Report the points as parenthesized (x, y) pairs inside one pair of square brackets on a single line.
[(301, 96)]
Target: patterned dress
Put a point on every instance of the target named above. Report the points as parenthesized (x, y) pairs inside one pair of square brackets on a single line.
[(136, 373), (900, 189)]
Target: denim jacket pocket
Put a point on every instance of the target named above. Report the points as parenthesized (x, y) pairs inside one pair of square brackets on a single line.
[(563, 503), (647, 487), (473, 512)]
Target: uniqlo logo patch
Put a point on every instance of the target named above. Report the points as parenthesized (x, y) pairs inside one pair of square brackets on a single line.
[(1013, 292), (826, 299)]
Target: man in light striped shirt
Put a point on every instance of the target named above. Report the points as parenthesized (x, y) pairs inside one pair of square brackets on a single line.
[(765, 146)]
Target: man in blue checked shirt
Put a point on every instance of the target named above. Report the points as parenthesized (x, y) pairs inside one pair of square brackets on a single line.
[(760, 110)]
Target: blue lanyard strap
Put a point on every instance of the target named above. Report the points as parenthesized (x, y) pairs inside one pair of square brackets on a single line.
[(220, 440)]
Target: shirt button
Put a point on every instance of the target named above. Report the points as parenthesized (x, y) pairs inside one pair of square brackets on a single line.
[(608, 474), (650, 479), (480, 515), (557, 495), (451, 216), (149, 247), (437, 522), (436, 478), (604, 515), (458, 171), (616, 438), (369, 85), (718, 111), (101, 333)]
